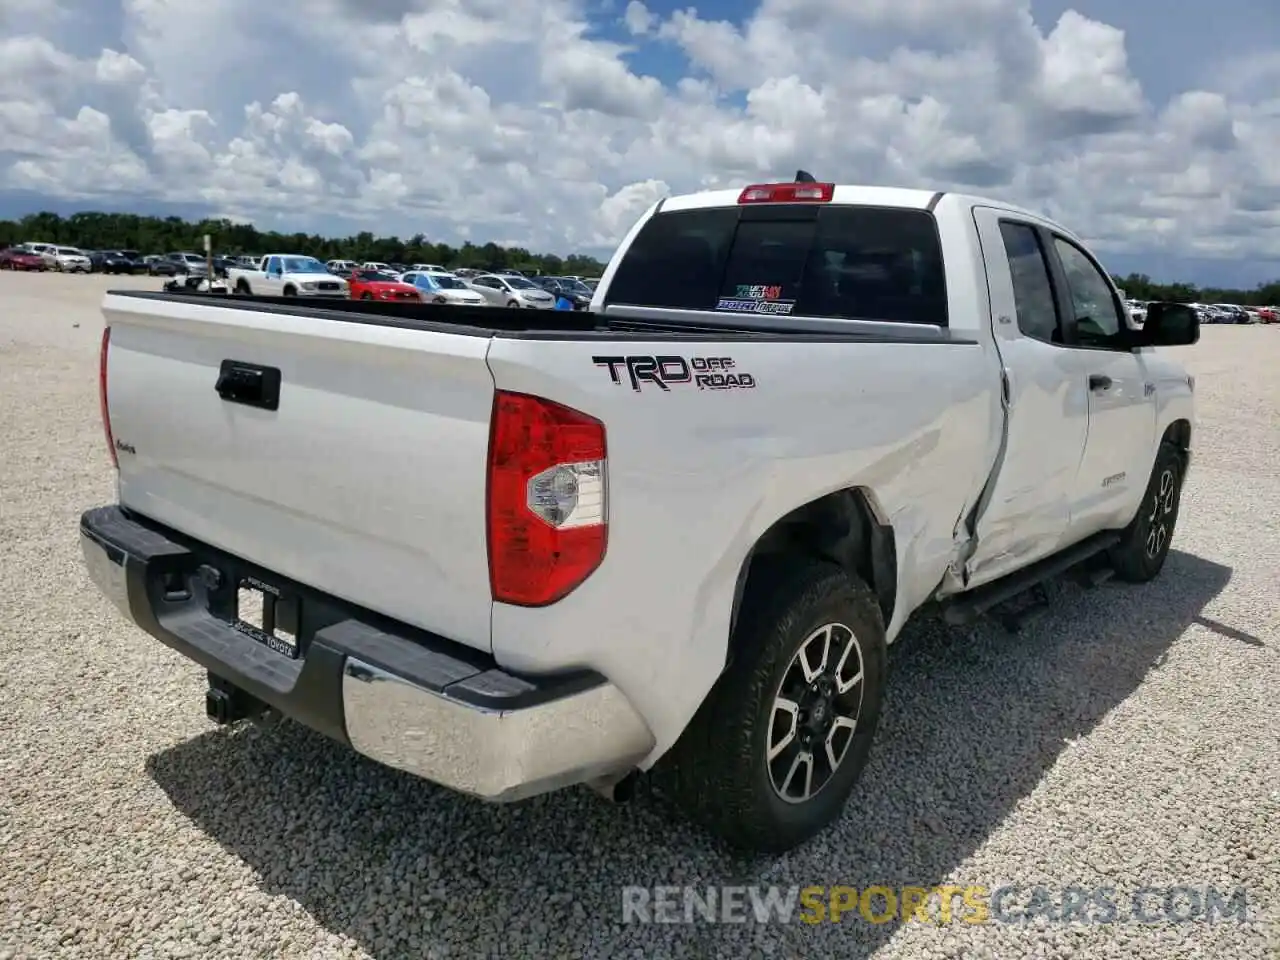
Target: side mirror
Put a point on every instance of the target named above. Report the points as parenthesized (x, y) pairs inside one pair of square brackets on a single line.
[(1170, 325)]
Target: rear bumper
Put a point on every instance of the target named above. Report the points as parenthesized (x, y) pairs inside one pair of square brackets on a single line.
[(400, 696)]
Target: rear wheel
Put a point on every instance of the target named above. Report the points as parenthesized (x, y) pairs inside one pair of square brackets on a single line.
[(290, 292), (366, 296), (1141, 553), (775, 750), (512, 303)]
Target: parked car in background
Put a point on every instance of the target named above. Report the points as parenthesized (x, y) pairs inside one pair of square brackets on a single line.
[(46, 252), (188, 264), (376, 265), (381, 285), (575, 291), (286, 275), (22, 257), (71, 260), (440, 286), (1269, 314), (120, 261), (342, 268), (512, 291), (157, 266), (428, 268)]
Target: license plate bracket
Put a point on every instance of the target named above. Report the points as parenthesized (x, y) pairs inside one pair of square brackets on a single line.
[(258, 615)]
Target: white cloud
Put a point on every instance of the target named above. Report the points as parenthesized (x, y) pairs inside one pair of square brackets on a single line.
[(638, 19), (554, 124)]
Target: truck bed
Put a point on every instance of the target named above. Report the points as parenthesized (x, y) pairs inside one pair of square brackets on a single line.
[(625, 322)]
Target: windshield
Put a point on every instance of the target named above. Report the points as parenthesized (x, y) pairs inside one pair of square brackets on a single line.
[(303, 265), (575, 286), (68, 251), (520, 283), (448, 283), (378, 276)]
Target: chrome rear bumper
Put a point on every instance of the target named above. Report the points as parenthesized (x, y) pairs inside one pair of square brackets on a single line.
[(402, 697)]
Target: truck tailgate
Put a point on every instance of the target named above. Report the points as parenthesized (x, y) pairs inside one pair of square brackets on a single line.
[(367, 481)]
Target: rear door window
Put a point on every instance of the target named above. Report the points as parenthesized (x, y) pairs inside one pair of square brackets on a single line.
[(845, 262)]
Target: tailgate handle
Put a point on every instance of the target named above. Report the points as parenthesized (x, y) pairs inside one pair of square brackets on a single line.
[(249, 384)]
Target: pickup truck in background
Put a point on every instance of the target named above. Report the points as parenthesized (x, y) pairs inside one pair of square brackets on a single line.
[(286, 275), (511, 551)]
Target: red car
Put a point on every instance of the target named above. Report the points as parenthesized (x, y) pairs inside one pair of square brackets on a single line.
[(20, 258), (376, 285)]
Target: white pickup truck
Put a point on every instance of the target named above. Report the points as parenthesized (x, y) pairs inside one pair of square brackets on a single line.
[(286, 275), (510, 551)]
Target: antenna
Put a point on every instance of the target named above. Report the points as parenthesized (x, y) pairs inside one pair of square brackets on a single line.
[(804, 176)]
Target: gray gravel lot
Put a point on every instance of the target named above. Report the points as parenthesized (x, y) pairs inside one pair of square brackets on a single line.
[(1130, 737)]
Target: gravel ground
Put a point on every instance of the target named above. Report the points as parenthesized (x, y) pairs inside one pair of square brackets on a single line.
[(1130, 737)]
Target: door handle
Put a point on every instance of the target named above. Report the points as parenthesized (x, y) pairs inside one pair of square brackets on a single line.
[(249, 384), (1099, 382)]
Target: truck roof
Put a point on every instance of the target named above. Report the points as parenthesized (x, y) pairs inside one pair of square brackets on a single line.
[(861, 195), (844, 193)]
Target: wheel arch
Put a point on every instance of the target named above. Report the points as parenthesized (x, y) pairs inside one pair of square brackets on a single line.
[(1178, 434), (846, 527)]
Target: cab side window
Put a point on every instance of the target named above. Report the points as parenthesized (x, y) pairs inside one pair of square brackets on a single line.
[(1098, 318), (1032, 286)]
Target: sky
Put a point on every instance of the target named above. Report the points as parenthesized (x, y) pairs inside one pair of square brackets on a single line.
[(1152, 129)]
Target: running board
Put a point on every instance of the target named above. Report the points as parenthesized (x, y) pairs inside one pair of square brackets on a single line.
[(970, 605)]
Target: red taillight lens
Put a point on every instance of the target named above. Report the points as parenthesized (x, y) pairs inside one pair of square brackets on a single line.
[(788, 193), (548, 512), (102, 396)]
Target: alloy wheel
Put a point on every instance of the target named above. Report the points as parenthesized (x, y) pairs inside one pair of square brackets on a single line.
[(815, 713), (1162, 503)]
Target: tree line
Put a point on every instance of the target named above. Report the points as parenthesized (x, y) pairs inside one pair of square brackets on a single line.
[(1138, 286), (127, 231)]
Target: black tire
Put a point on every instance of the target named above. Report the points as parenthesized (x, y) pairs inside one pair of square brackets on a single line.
[(718, 772), (366, 296), (242, 288), (512, 303), (290, 292), (1141, 553)]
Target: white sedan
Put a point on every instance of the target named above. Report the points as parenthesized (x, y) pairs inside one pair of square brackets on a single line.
[(71, 260), (440, 286), (508, 291)]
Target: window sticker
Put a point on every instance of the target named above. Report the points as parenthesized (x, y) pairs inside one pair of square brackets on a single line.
[(756, 298)]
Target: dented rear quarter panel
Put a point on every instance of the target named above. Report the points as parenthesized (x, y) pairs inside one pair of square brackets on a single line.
[(697, 475)]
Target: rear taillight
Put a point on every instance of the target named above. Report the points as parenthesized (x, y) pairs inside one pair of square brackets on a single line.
[(548, 511), (102, 396), (788, 193)]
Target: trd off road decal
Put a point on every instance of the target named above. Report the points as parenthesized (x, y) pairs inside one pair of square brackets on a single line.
[(705, 373), (756, 298)]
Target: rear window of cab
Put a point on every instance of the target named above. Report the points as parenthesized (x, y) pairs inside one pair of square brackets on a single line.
[(841, 262)]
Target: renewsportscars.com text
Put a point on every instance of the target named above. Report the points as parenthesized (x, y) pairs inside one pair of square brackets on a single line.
[(877, 904)]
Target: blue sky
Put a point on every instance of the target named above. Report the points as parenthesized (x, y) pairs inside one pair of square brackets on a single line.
[(1151, 129)]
